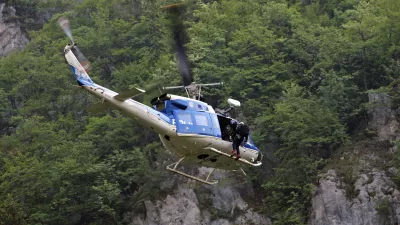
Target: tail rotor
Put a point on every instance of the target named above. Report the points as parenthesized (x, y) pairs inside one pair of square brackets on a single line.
[(63, 22)]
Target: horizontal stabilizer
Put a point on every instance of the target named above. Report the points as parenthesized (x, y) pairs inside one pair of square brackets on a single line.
[(98, 107), (129, 94)]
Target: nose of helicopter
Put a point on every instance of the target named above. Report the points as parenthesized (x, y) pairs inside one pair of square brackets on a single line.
[(259, 157)]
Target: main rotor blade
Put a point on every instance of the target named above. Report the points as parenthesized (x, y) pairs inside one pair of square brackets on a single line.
[(153, 89), (63, 22), (179, 36), (183, 63)]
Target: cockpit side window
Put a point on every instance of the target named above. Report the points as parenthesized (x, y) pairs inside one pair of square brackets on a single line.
[(160, 107)]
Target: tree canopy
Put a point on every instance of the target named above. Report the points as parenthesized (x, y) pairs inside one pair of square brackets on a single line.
[(300, 69)]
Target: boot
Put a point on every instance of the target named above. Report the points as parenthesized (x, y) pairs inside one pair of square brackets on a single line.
[(237, 156)]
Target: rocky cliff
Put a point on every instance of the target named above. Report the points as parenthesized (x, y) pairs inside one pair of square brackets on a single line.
[(377, 201), (362, 192), (189, 202), (11, 36)]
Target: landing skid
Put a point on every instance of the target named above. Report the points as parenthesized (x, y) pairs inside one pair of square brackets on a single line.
[(228, 155), (206, 181)]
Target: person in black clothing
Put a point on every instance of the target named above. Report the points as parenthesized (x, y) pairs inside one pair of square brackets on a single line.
[(240, 136)]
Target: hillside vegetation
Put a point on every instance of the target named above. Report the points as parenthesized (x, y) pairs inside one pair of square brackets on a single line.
[(300, 69)]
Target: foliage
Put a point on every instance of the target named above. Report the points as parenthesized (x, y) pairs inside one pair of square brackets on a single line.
[(289, 191), (304, 128), (348, 182)]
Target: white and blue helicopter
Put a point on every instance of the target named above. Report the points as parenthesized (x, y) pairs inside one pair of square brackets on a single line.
[(187, 127)]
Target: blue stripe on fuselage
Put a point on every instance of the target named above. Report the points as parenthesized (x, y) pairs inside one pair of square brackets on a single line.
[(81, 77)]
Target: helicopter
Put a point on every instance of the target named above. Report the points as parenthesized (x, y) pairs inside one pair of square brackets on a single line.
[(187, 126)]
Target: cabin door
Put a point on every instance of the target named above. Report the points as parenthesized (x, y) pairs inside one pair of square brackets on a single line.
[(192, 122)]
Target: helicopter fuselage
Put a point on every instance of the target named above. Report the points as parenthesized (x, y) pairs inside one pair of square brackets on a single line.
[(188, 128)]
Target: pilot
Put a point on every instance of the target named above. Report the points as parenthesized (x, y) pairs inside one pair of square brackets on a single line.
[(240, 136)]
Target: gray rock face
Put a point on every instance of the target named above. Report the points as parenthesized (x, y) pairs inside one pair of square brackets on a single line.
[(11, 36), (377, 202), (382, 118), (179, 208), (376, 199), (192, 203)]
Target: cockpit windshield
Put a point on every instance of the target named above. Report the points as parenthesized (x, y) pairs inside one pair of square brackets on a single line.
[(250, 140), (250, 143)]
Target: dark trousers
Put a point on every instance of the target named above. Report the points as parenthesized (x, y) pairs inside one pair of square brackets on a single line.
[(236, 143)]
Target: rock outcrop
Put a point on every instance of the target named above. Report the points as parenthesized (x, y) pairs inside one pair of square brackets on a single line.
[(382, 118), (11, 36), (191, 203), (377, 201), (373, 198)]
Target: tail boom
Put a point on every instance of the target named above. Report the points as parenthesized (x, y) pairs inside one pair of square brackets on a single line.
[(135, 110), (77, 69)]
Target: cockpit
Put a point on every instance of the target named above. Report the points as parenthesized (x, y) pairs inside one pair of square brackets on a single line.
[(167, 103)]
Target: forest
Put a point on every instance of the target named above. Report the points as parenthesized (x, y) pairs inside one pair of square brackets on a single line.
[(302, 70)]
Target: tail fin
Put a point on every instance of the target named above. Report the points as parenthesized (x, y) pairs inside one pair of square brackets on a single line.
[(79, 72)]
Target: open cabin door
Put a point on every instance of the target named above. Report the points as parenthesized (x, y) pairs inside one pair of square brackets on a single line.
[(226, 128)]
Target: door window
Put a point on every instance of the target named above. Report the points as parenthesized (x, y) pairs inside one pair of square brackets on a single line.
[(201, 120), (185, 119)]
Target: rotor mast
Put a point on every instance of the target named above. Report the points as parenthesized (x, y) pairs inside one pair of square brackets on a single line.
[(193, 90)]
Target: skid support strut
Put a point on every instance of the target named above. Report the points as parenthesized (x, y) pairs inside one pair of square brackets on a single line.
[(175, 165)]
